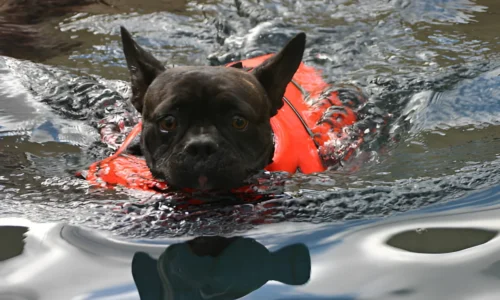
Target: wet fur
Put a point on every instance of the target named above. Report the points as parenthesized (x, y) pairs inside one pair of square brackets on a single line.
[(204, 100)]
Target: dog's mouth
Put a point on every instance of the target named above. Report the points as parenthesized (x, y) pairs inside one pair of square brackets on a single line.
[(208, 182), (219, 173), (203, 183)]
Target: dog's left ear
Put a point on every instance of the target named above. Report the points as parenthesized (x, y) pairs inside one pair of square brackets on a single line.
[(143, 68), (275, 73)]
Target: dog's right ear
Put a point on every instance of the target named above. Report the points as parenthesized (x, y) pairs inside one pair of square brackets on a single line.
[(143, 68)]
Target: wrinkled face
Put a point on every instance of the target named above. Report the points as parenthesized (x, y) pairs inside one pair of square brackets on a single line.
[(206, 127)]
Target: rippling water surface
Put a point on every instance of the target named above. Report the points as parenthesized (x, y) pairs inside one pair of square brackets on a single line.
[(427, 182)]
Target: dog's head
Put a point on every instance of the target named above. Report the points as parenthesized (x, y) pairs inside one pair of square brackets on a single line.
[(208, 127)]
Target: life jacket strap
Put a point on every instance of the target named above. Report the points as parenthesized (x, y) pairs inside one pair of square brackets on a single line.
[(296, 112)]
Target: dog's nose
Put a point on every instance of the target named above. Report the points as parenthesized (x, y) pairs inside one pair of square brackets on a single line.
[(201, 147)]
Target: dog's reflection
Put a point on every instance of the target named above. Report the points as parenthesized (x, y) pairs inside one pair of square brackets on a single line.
[(217, 268)]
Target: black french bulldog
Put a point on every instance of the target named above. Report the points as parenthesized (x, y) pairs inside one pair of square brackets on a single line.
[(208, 127)]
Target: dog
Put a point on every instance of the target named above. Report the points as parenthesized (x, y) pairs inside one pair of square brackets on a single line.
[(208, 127)]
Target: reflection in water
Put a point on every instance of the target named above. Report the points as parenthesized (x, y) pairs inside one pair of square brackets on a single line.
[(353, 260), (397, 51), (440, 240), (216, 267), (12, 236)]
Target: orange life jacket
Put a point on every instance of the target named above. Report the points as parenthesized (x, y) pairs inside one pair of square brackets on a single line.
[(308, 135)]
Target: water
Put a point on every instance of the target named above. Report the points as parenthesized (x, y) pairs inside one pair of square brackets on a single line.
[(388, 225)]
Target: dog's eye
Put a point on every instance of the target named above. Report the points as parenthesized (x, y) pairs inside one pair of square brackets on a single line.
[(168, 123), (239, 123)]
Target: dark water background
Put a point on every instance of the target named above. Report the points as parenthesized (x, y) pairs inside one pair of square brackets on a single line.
[(433, 65)]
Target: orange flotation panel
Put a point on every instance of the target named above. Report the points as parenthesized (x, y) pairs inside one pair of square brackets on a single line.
[(309, 132)]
